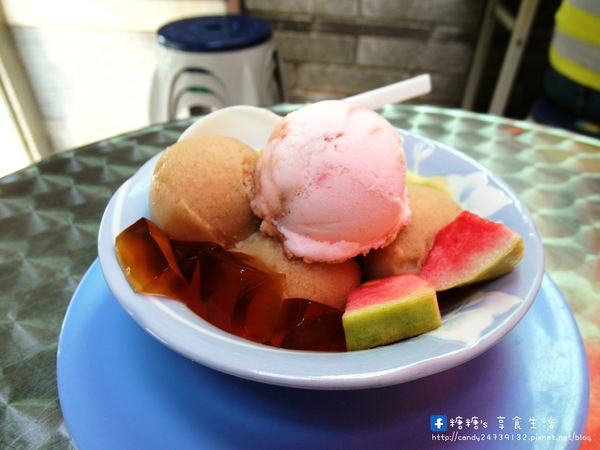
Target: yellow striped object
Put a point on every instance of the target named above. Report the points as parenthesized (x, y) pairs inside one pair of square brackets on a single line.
[(575, 47)]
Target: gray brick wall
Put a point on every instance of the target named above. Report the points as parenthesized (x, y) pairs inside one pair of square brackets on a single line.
[(310, 7), (413, 54), (335, 48), (297, 46), (438, 11)]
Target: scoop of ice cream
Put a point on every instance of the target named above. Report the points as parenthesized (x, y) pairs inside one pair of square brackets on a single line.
[(432, 210), (331, 182), (201, 189), (328, 284)]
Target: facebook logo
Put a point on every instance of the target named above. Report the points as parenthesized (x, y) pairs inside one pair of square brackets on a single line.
[(438, 423)]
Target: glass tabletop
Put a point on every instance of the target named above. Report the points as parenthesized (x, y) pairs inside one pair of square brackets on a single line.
[(50, 213)]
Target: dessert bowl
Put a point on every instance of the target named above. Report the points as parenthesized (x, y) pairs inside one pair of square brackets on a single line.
[(473, 320)]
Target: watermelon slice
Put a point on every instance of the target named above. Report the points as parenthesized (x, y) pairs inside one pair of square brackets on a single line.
[(386, 310), (471, 249)]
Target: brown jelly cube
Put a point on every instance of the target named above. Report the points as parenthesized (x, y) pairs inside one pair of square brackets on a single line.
[(239, 296), (146, 257), (307, 325)]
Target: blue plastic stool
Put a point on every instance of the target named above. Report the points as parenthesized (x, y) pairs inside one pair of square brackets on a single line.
[(212, 62)]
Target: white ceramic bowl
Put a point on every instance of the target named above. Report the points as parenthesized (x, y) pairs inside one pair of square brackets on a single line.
[(480, 319)]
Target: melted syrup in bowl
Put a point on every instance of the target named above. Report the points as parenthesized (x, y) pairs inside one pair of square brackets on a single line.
[(230, 290)]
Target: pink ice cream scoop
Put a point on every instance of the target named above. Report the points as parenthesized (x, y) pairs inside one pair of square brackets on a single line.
[(331, 183)]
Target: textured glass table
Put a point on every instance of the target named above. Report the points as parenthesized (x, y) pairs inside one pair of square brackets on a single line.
[(50, 213)]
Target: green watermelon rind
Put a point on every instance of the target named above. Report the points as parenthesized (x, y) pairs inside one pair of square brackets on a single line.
[(385, 323)]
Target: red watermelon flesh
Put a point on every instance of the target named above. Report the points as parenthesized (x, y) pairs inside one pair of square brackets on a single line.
[(471, 249), (384, 290)]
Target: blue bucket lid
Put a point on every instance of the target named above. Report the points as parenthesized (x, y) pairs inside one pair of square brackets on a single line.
[(214, 33)]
